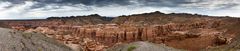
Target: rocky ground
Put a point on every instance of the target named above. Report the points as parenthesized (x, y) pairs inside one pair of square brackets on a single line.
[(143, 46), (12, 40)]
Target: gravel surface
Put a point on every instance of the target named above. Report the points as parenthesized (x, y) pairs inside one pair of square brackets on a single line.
[(11, 40), (143, 46)]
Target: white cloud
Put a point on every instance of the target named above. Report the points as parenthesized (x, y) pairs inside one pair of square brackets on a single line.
[(3, 5), (228, 12), (112, 10), (210, 4), (16, 11)]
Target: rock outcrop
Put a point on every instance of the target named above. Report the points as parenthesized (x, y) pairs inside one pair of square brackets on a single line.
[(107, 35), (143, 46), (12, 40)]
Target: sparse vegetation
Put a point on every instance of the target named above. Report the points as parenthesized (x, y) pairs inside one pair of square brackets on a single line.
[(131, 48), (27, 35), (40, 49)]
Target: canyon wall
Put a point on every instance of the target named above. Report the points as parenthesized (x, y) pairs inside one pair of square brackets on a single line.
[(93, 32)]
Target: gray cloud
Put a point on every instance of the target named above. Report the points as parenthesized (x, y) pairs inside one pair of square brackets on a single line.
[(148, 3), (44, 8), (73, 2), (166, 3)]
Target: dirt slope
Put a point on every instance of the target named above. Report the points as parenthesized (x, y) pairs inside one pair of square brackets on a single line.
[(143, 46), (22, 41)]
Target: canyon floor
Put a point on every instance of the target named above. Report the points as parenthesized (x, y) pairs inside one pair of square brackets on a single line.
[(153, 31)]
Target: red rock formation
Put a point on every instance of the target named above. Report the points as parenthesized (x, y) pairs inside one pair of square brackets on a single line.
[(92, 33), (108, 35)]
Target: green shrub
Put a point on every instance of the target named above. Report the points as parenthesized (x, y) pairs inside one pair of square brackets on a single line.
[(27, 35), (131, 48)]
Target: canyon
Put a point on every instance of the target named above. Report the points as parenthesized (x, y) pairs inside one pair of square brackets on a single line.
[(97, 33)]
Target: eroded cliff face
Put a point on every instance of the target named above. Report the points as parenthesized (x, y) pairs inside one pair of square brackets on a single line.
[(107, 35), (183, 31)]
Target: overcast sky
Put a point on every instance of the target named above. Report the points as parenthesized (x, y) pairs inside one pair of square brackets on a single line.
[(35, 9)]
